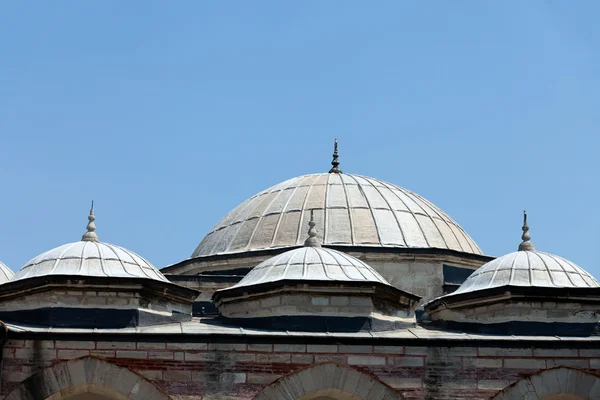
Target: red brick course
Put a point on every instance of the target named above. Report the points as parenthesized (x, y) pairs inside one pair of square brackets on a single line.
[(243, 370)]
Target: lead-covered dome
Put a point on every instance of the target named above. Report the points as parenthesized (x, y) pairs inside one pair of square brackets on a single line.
[(353, 210), (5, 273), (528, 268), (90, 257), (311, 264)]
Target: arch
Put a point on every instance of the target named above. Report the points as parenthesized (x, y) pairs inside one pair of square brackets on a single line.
[(560, 383), (328, 381), (89, 375)]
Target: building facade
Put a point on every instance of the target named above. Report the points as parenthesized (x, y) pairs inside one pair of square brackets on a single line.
[(328, 286)]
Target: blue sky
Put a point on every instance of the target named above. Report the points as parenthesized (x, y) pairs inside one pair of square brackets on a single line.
[(169, 114)]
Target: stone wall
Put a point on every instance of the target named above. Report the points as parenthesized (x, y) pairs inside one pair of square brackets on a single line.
[(240, 370)]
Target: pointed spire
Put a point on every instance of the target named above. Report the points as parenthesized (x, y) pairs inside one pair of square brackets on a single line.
[(526, 245), (312, 240), (335, 169), (90, 235)]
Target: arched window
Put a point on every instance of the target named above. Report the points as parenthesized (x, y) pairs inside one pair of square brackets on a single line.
[(86, 378), (559, 383), (328, 381)]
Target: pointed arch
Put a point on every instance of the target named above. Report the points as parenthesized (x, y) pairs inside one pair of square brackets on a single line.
[(328, 381), (560, 383), (93, 375)]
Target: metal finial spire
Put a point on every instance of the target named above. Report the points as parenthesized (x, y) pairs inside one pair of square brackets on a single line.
[(90, 235), (312, 240), (526, 245), (335, 169)]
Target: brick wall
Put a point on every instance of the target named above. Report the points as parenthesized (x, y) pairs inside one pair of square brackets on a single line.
[(241, 370)]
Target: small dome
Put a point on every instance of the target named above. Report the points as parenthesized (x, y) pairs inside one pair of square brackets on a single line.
[(311, 264), (90, 258), (5, 273), (353, 210), (528, 268)]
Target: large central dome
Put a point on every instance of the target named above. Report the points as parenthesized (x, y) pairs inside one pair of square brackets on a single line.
[(353, 210)]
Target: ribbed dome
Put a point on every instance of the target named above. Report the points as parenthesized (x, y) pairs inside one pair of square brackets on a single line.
[(90, 258), (311, 264), (353, 210), (528, 268), (5, 273)]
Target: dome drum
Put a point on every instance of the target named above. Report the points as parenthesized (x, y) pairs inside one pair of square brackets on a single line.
[(520, 310), (92, 284), (314, 288), (94, 302), (318, 306), (524, 292)]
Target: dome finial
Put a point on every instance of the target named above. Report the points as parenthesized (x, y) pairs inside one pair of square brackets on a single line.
[(90, 235), (312, 240), (335, 169), (526, 245)]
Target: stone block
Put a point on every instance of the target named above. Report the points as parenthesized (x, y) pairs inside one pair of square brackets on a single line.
[(200, 356), (555, 353), (339, 358), (366, 360), (69, 344), (152, 374), (35, 354), (116, 345), (160, 355), (290, 348), (409, 361), (320, 301), (415, 350), (492, 384), (151, 346), (472, 362), (264, 348), (402, 383), (68, 354), (524, 363), (302, 359), (568, 362), (504, 352), (262, 378), (103, 353), (131, 354), (273, 358), (360, 301), (231, 378), (187, 346), (173, 375), (178, 356), (339, 301), (346, 349), (227, 346), (322, 348), (389, 349)]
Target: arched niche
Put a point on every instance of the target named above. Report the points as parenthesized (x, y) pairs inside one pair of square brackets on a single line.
[(86, 378), (559, 383), (328, 381)]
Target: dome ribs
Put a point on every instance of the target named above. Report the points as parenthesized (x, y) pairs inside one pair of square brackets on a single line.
[(351, 210)]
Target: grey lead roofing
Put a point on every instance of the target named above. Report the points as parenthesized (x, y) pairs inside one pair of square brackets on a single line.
[(353, 210), (87, 258), (211, 326), (5, 273), (311, 263), (528, 268)]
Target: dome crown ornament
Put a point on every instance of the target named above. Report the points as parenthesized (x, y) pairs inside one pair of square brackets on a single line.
[(526, 244), (336, 164), (312, 240), (91, 235)]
